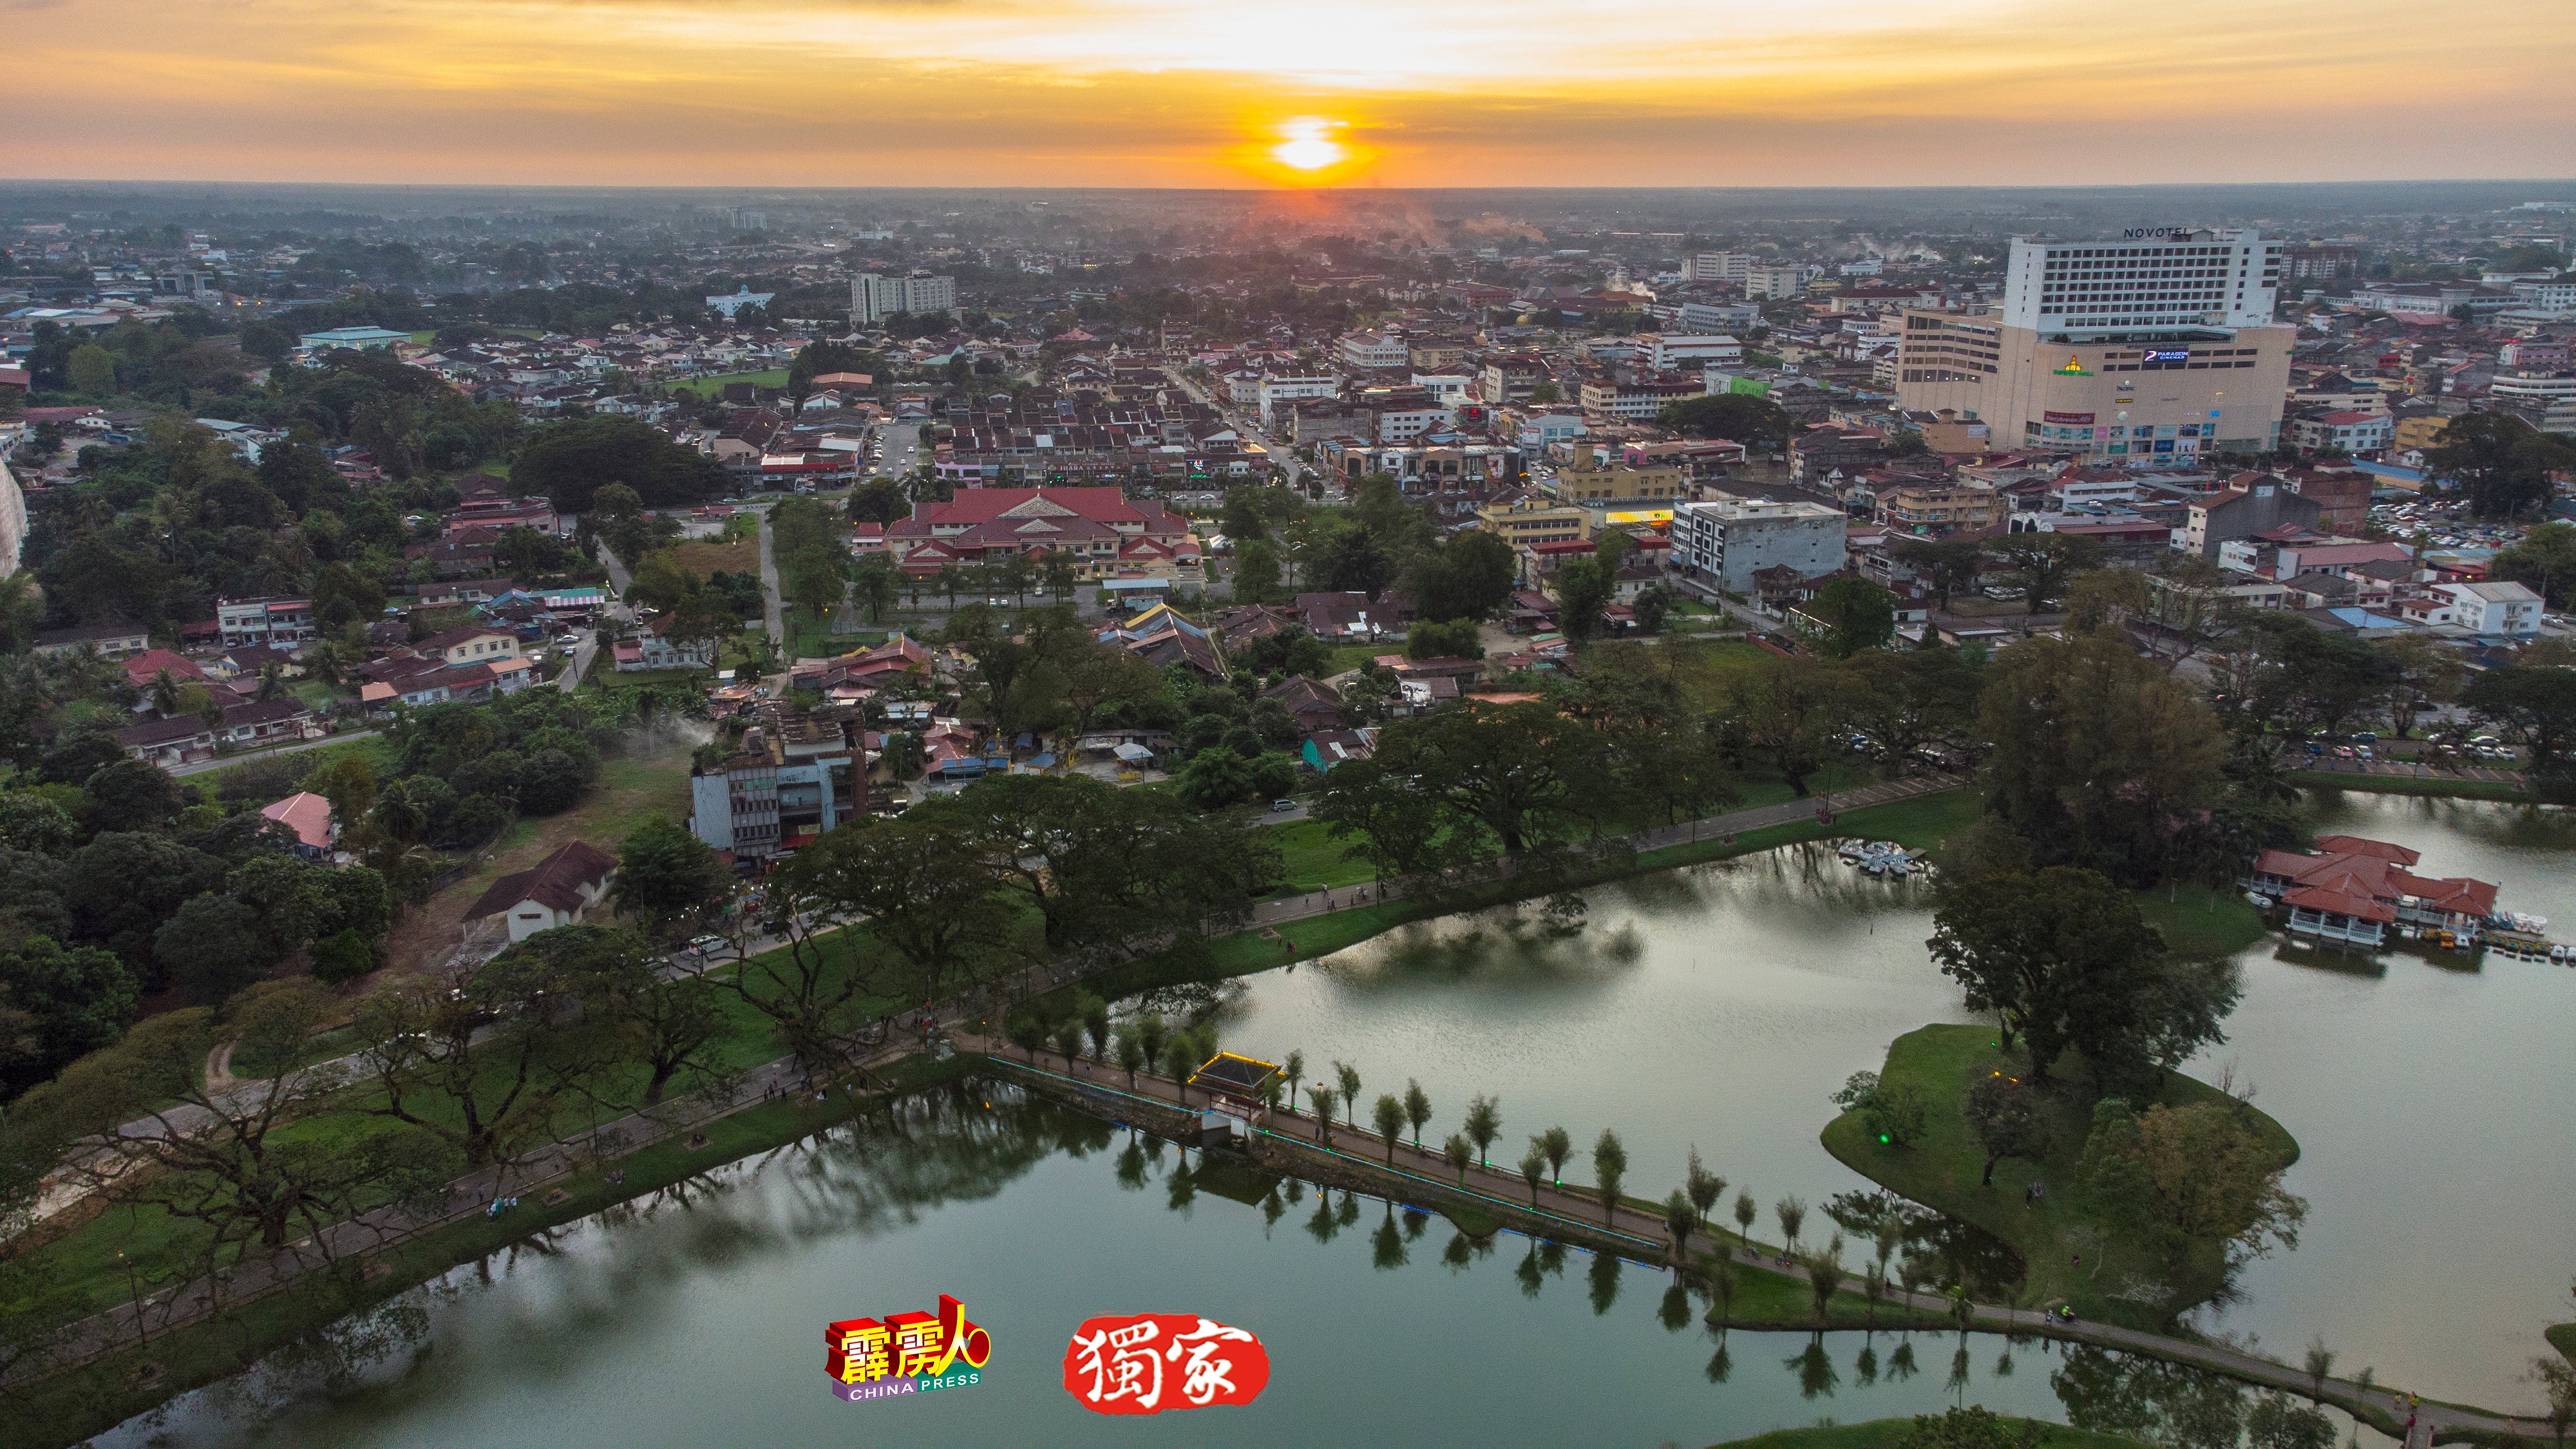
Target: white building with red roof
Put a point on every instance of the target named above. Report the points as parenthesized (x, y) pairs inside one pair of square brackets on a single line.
[(2355, 891), (1100, 530)]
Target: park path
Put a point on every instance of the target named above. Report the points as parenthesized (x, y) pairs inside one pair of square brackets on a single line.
[(1361, 1150)]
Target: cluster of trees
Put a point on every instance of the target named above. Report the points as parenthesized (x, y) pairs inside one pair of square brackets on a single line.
[(571, 461), (117, 881), (1013, 868), (2178, 1175), (2502, 463)]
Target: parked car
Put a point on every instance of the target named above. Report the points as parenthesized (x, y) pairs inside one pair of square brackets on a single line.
[(1282, 806), (568, 640)]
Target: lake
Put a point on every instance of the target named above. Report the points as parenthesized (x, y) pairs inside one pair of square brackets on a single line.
[(1718, 1005)]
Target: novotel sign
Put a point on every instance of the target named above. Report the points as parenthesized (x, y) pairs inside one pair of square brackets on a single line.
[(2157, 233)]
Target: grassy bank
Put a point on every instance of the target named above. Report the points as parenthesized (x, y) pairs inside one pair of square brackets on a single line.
[(74, 1405), (1889, 1433), (2203, 920), (2071, 1258), (2392, 785)]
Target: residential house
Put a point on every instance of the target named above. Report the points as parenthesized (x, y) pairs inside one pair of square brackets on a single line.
[(561, 890), (112, 641), (309, 816)]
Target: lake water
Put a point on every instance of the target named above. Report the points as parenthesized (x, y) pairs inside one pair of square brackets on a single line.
[(698, 1320), (1718, 1005), (1721, 1005)]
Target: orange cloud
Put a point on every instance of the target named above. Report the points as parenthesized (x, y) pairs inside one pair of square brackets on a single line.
[(1185, 93)]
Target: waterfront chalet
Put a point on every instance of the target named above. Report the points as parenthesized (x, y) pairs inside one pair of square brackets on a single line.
[(2356, 891)]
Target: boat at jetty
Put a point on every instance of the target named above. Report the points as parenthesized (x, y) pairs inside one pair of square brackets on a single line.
[(1882, 857)]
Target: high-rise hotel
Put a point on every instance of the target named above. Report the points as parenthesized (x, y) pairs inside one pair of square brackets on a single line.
[(2151, 349)]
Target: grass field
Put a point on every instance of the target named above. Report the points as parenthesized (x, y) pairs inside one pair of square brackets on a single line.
[(2115, 1281), (707, 555), (376, 750), (2203, 920), (1890, 1433), (2389, 785), (715, 385)]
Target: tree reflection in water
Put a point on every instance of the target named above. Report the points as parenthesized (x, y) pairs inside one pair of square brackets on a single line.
[(1605, 1282), (1815, 1370), (2148, 1400)]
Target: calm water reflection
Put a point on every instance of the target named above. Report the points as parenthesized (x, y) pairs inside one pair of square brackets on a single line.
[(1721, 1005), (697, 1319)]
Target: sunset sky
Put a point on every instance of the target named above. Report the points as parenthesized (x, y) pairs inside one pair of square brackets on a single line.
[(1250, 92)]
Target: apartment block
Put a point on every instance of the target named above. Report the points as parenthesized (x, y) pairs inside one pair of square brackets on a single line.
[(1726, 541)]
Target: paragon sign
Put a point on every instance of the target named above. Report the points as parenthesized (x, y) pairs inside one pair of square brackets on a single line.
[(1144, 1363), (906, 1353)]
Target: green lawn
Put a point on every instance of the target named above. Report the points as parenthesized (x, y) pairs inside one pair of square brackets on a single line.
[(2390, 785), (1312, 860), (715, 385), (2203, 920), (2118, 1281), (1889, 1433), (374, 749)]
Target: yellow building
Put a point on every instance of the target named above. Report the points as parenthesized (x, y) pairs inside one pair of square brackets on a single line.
[(1606, 483), (2109, 399), (2423, 432), (1532, 520)]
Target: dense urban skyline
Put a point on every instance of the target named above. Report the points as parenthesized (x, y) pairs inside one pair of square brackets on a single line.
[(1149, 92)]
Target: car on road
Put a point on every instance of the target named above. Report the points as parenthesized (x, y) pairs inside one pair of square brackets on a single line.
[(1281, 807), (568, 640)]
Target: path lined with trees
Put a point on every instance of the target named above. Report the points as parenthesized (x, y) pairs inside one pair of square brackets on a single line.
[(1537, 1188)]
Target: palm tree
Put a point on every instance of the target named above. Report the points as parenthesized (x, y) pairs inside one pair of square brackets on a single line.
[(1702, 1186), (165, 693), (1295, 1071), (1484, 1124), (1558, 1146), (1745, 1212), (397, 811), (1609, 1164), (1417, 1108), (1680, 1216), (1349, 1077), (1323, 1097), (1533, 1167), (1389, 1115), (1458, 1152), (1792, 1213)]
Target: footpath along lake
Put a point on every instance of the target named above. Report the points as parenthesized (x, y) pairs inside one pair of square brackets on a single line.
[(1720, 1004)]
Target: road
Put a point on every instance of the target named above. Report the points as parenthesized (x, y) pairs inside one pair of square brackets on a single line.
[(226, 762), (1291, 472), (771, 617), (898, 448)]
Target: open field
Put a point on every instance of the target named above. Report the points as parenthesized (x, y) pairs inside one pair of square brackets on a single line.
[(707, 555)]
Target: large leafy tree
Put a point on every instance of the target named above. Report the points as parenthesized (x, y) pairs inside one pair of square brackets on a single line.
[(665, 875), (927, 888), (2536, 707), (2064, 960), (482, 1058), (2044, 562), (1792, 712), (2503, 462), (56, 1003), (1468, 577), (1523, 773), (1757, 422), (2098, 754), (569, 462)]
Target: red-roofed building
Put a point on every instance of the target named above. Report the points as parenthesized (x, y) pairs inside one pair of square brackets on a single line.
[(2353, 890), (1098, 529), (309, 816)]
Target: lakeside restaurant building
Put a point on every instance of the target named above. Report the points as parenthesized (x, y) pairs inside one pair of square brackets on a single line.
[(2355, 891)]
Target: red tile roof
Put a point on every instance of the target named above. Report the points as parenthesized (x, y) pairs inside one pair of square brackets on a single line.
[(557, 881)]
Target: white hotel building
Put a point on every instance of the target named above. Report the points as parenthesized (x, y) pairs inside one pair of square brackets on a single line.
[(2149, 349)]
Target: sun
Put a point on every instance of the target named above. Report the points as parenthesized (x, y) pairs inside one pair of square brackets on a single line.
[(1307, 144)]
